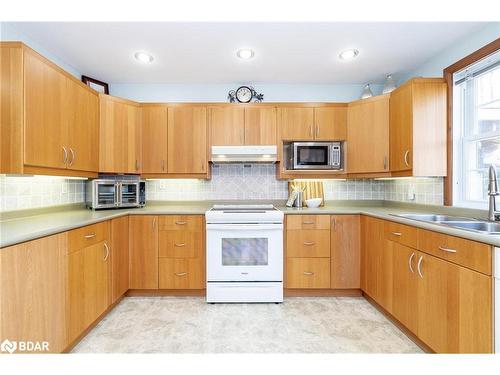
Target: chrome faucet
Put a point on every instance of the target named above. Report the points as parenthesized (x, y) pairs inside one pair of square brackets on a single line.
[(493, 214)]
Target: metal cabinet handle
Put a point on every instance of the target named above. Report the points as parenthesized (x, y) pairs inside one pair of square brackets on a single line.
[(385, 162), (163, 165), (397, 234), (179, 244), (72, 157), (406, 158), (88, 236), (447, 250), (317, 130), (107, 251), (419, 267), (180, 222), (308, 222), (410, 261), (308, 273), (181, 274), (65, 158), (309, 243), (311, 131), (154, 223)]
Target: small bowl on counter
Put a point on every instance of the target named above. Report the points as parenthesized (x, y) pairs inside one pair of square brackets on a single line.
[(313, 202)]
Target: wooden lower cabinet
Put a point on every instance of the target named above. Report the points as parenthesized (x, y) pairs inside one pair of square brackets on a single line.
[(308, 243), (119, 258), (143, 242), (89, 272), (313, 273), (33, 292), (181, 273), (345, 252)]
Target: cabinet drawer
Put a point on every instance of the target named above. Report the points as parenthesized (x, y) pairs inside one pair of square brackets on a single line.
[(401, 233), (181, 222), (181, 273), (308, 243), (311, 273), (88, 235), (294, 222), (470, 254), (180, 244)]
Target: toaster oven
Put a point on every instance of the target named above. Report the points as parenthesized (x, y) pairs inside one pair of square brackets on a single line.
[(111, 193)]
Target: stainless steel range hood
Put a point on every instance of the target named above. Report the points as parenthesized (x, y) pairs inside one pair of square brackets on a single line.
[(244, 154)]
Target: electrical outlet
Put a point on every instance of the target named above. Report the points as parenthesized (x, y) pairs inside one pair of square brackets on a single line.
[(64, 187), (410, 194), (163, 185)]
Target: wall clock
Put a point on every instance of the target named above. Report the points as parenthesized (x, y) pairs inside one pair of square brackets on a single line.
[(244, 94)]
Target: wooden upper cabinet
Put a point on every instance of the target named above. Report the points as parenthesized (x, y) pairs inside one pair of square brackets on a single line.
[(330, 123), (368, 135), (154, 139), (260, 126), (296, 124), (120, 136), (227, 126), (187, 140), (46, 129), (418, 128)]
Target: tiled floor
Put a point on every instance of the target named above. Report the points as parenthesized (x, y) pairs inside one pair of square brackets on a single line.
[(299, 325)]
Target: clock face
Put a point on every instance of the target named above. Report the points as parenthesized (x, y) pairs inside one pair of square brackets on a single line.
[(244, 94)]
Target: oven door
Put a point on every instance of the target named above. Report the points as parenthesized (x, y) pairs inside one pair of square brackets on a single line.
[(129, 194), (105, 194), (311, 155), (244, 252)]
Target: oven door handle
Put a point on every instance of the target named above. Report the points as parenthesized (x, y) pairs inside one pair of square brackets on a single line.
[(238, 227)]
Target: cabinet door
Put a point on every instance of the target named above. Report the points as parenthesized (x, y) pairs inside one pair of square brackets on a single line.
[(113, 150), (404, 303), (227, 126), (187, 140), (260, 126), (33, 292), (154, 139), (134, 146), (45, 126), (88, 286), (345, 252), (368, 136), (296, 124), (82, 116), (454, 307), (330, 123), (401, 126), (371, 240), (143, 232), (119, 257)]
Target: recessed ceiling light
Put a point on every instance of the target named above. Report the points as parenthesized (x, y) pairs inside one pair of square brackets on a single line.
[(144, 57), (245, 53), (349, 54)]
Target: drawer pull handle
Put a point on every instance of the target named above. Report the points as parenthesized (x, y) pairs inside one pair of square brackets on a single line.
[(397, 234), (447, 250), (89, 236), (308, 273), (181, 274), (309, 243), (179, 244), (308, 222), (180, 222)]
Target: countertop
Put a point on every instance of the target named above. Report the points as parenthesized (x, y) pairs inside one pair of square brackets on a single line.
[(20, 227)]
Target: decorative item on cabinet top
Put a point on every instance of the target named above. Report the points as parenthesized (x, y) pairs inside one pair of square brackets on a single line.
[(244, 94), (367, 92), (94, 84), (310, 189), (389, 85)]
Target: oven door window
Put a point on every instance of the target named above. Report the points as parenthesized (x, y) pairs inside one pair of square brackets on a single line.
[(129, 193), (312, 155), (245, 252), (106, 194)]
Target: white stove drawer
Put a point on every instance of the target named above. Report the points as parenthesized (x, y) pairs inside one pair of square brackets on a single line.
[(244, 292)]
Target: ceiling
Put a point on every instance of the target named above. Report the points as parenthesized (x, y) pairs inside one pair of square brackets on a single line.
[(206, 52)]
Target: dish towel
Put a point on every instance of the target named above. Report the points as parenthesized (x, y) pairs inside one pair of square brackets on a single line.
[(313, 189)]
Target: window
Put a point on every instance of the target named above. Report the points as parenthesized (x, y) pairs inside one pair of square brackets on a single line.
[(476, 130)]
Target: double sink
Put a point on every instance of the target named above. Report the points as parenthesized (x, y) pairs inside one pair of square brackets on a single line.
[(473, 225)]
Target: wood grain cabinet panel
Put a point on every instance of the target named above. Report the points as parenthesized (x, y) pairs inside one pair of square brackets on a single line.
[(187, 140), (143, 251), (33, 287), (119, 257), (404, 234), (227, 126), (330, 123), (294, 222), (180, 244), (308, 243), (296, 124), (308, 273), (181, 273), (193, 223), (401, 129), (345, 252), (154, 139), (260, 126)]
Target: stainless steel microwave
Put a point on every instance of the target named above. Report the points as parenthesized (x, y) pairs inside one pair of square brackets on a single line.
[(115, 193), (314, 155)]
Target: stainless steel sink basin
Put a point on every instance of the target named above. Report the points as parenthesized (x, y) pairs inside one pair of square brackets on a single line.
[(478, 226), (435, 218)]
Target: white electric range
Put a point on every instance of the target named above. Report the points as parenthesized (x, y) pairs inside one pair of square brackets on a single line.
[(244, 253)]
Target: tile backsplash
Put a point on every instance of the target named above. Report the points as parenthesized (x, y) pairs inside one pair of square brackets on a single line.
[(229, 182)]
